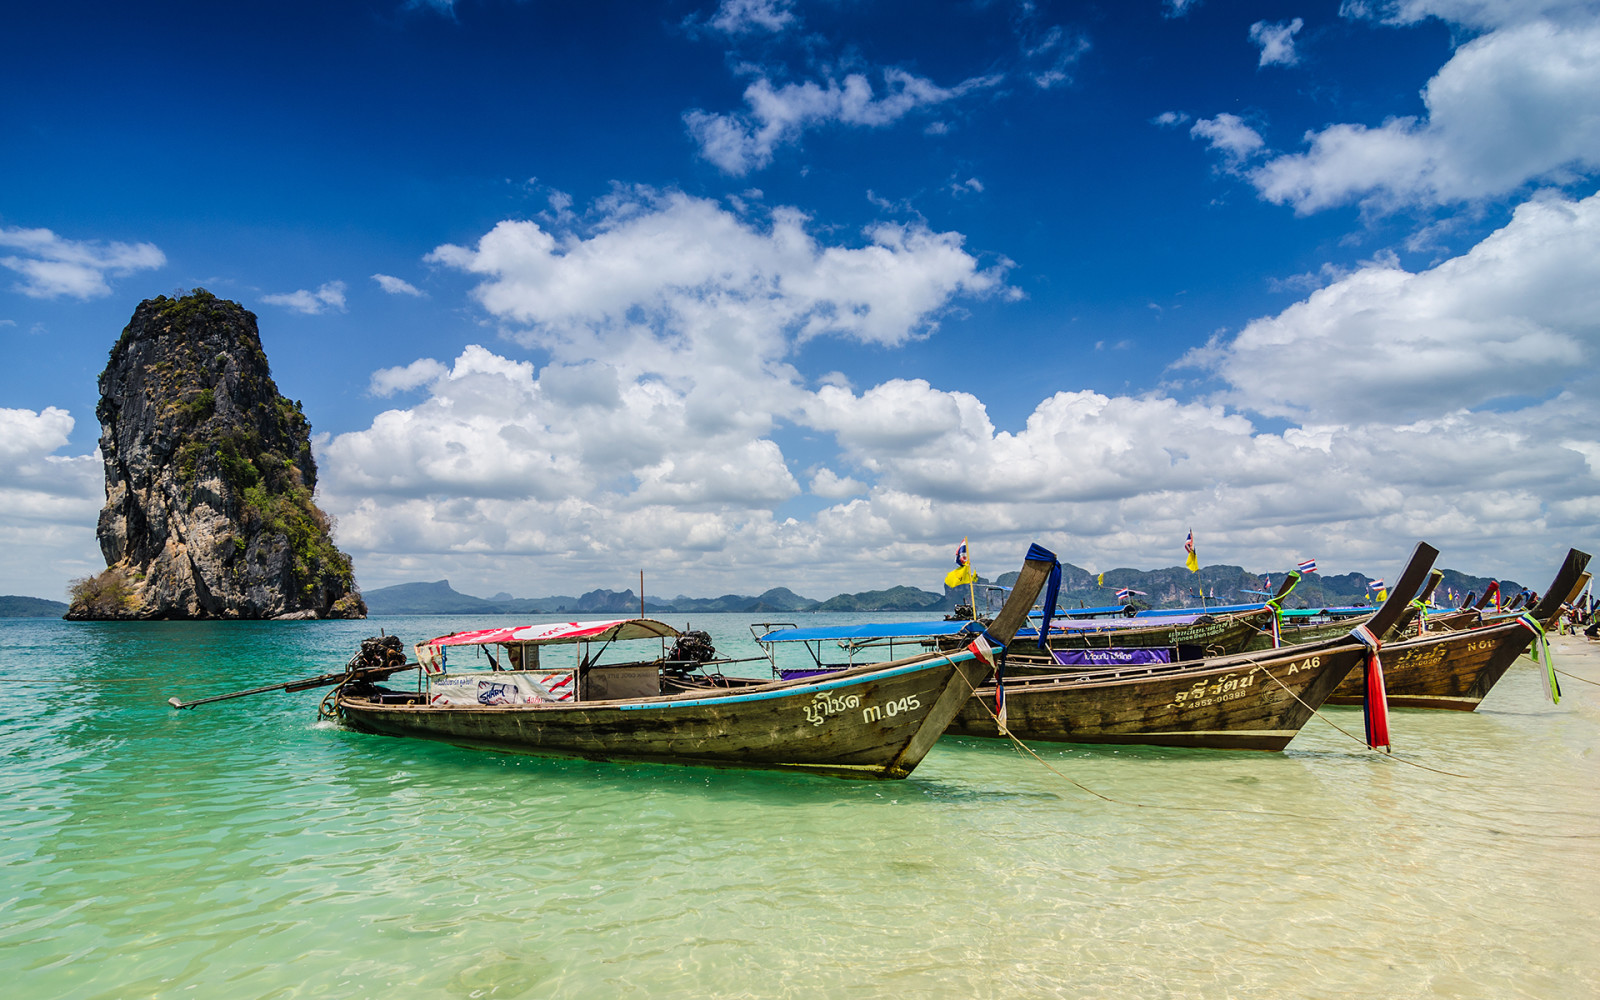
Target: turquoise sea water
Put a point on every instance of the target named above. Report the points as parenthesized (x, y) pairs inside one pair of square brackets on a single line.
[(244, 850)]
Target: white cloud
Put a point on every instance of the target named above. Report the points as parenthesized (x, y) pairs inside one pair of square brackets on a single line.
[(388, 381), (1048, 53), (651, 437), (53, 266), (1276, 41), (25, 433), (1511, 316), (1229, 135), (1468, 13), (668, 324), (394, 286), (1517, 105), (1170, 119), (740, 17), (329, 297), (827, 483), (665, 274), (779, 116), (48, 503)]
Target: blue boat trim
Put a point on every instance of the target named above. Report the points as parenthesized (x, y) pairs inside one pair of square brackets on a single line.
[(874, 630), (1215, 609), (732, 699)]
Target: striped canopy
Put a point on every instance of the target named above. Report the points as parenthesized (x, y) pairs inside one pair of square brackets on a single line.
[(553, 633)]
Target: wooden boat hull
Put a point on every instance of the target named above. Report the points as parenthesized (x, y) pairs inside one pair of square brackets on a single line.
[(1246, 702), (1444, 670), (871, 722)]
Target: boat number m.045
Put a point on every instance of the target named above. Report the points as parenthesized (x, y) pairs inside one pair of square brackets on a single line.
[(872, 713)]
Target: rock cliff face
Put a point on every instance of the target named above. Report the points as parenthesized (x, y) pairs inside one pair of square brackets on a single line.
[(209, 479)]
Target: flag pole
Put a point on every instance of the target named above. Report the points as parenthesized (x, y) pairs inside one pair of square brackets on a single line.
[(972, 594)]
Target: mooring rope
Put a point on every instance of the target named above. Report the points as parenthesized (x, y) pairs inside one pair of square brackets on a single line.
[(1575, 677), (1005, 731), (1388, 756), (1247, 657)]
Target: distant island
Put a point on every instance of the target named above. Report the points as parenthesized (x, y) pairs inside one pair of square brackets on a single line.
[(1172, 587), (14, 606)]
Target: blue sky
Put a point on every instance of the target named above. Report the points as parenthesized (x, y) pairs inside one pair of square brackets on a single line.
[(775, 293)]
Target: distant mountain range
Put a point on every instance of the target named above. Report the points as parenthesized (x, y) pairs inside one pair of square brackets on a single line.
[(439, 598), (1163, 588), (1157, 588), (12, 606)]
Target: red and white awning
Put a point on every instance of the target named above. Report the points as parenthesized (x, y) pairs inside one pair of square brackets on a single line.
[(553, 633)]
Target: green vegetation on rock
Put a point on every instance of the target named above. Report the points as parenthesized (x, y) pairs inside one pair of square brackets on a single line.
[(107, 595), (210, 474)]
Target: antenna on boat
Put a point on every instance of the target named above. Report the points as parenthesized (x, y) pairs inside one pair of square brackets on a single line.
[(641, 593)]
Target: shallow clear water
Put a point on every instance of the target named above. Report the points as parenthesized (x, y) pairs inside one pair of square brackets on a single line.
[(243, 849)]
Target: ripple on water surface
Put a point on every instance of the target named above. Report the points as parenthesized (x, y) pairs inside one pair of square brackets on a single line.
[(245, 850)]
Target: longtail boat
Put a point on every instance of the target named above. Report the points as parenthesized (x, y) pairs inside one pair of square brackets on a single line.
[(874, 721), (1248, 701), (1456, 669)]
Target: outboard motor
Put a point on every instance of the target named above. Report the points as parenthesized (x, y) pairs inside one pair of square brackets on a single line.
[(379, 651), (691, 650)]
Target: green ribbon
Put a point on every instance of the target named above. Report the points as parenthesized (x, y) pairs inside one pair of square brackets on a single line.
[(1422, 615), (1552, 687)]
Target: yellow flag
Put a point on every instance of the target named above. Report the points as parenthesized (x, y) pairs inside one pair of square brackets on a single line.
[(960, 577), (1100, 581), (1192, 561)]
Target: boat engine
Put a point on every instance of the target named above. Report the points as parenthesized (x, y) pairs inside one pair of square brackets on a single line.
[(379, 651), (691, 650)]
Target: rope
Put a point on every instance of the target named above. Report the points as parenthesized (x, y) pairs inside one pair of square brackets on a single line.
[(328, 708), (1575, 677), (972, 692), (1386, 756)]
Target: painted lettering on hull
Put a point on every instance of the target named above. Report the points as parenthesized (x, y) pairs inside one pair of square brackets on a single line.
[(1210, 691), (1421, 658), (890, 709), (826, 704)]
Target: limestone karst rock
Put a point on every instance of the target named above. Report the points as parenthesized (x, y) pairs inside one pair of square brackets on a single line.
[(209, 479)]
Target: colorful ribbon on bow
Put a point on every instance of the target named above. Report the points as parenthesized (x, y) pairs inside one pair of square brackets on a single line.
[(1375, 700), (1552, 687), (1422, 616), (997, 662), (1052, 588)]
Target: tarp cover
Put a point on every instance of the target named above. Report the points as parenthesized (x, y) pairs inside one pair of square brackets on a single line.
[(873, 630), (553, 633), (1109, 657), (1109, 624)]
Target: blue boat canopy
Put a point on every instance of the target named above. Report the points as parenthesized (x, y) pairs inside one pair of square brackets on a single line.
[(1215, 609), (1118, 610), (873, 630)]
